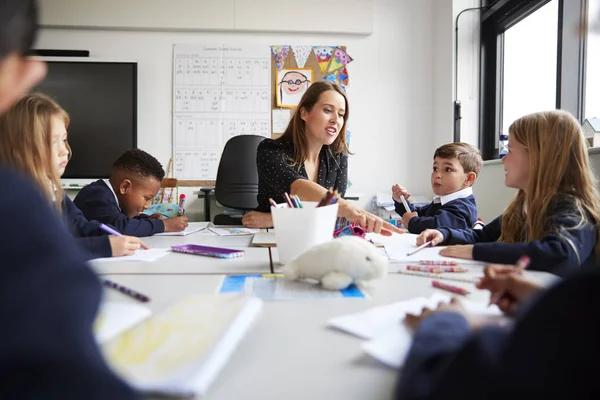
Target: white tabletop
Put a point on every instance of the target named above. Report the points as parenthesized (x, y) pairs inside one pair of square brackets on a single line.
[(255, 260), (289, 353), (204, 237)]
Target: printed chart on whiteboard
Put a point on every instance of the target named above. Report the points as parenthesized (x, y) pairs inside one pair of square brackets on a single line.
[(219, 92)]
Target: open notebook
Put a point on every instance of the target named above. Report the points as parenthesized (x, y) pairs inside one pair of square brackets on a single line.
[(180, 350)]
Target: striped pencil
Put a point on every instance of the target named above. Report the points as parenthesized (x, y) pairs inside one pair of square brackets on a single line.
[(126, 290), (435, 269), (437, 276), (432, 262)]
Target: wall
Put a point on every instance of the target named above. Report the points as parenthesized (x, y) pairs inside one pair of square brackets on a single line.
[(468, 70), (391, 88)]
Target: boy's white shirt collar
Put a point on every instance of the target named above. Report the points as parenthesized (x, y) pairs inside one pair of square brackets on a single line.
[(107, 182), (460, 194)]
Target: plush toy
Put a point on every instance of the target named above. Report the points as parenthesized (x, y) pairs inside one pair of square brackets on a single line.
[(339, 263)]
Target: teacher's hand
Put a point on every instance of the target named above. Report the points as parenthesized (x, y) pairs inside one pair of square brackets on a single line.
[(256, 219), (366, 220)]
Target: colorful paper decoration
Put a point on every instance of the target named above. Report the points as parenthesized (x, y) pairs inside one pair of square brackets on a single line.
[(339, 60), (301, 54), (340, 77), (323, 54), (280, 52)]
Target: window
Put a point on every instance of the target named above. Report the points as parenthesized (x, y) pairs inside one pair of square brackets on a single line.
[(532, 60), (530, 56), (591, 123)]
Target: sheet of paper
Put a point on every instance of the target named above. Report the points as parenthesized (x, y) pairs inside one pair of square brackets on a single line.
[(392, 347), (398, 246), (149, 255), (192, 227), (233, 231), (269, 287), (281, 118), (219, 91), (115, 317)]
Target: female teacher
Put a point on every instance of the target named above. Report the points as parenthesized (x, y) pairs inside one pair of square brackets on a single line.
[(310, 156)]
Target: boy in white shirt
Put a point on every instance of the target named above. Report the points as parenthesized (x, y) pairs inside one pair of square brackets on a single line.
[(455, 169)]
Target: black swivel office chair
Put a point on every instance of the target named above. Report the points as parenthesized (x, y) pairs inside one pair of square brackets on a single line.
[(237, 177)]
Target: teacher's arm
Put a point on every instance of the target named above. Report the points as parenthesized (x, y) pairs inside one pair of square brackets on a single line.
[(308, 190)]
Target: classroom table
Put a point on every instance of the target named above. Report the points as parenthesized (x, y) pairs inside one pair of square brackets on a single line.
[(289, 353), (255, 259)]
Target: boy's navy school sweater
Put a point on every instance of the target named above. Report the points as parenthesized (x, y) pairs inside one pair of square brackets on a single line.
[(97, 202), (457, 213), (92, 240), (49, 299), (566, 246)]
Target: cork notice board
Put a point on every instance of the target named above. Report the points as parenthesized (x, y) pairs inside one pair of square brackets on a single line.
[(314, 63)]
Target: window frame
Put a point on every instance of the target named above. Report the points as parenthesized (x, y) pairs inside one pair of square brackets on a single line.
[(570, 62)]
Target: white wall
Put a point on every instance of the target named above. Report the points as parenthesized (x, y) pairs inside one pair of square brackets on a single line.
[(391, 88), (445, 13)]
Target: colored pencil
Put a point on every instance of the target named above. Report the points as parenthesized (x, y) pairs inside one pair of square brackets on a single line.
[(421, 247), (434, 262), (522, 263), (126, 290), (450, 288), (435, 269), (438, 276)]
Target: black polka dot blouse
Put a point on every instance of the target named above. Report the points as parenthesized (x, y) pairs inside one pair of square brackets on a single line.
[(276, 175)]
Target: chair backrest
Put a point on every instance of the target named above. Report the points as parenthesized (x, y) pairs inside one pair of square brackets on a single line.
[(237, 176)]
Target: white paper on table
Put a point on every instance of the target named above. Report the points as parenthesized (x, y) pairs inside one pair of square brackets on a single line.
[(398, 246), (149, 255), (389, 339), (192, 227)]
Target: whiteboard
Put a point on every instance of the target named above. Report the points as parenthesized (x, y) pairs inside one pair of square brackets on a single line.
[(219, 91)]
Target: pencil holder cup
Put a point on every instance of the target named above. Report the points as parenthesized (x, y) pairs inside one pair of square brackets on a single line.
[(299, 229)]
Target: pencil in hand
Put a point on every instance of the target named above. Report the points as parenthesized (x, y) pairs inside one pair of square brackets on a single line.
[(522, 263)]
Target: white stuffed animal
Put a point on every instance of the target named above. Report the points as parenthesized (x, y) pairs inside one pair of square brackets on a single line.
[(339, 263)]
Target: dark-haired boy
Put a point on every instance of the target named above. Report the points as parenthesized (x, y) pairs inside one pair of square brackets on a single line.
[(455, 169), (120, 200)]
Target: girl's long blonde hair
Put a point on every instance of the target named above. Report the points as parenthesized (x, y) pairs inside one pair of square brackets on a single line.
[(559, 167), (26, 141)]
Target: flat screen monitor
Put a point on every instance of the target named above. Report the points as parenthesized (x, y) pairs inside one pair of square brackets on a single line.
[(101, 100)]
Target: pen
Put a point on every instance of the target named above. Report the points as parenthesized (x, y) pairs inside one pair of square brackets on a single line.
[(272, 202), (521, 264), (125, 290), (110, 230), (450, 288), (421, 247), (298, 201)]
